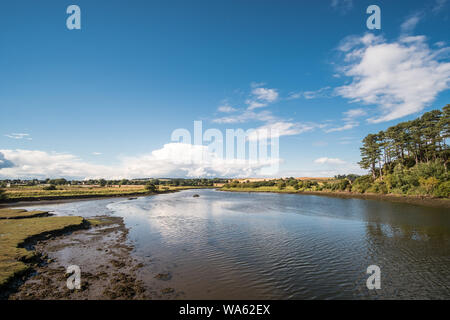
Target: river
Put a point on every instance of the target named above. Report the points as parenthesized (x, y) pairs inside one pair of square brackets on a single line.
[(229, 245)]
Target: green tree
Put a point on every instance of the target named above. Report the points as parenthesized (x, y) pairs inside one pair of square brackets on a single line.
[(281, 185), (370, 153), (150, 187), (102, 182)]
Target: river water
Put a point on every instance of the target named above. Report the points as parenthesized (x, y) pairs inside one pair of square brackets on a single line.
[(227, 245)]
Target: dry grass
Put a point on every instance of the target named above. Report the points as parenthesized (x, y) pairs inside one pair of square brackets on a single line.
[(71, 191), (37, 192)]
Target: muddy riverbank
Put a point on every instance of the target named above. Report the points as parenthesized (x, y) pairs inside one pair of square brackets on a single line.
[(107, 269)]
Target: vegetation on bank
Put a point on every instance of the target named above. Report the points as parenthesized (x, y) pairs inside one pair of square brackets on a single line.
[(15, 233), (43, 192), (53, 183), (410, 158), (21, 214), (24, 193)]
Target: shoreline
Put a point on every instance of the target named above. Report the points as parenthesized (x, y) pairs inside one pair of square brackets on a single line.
[(59, 200), (63, 199), (105, 241), (31, 201), (415, 200)]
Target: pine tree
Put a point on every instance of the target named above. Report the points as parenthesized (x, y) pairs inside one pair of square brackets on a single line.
[(370, 153)]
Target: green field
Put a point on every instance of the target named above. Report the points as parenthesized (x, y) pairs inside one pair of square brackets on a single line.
[(20, 214), (62, 192)]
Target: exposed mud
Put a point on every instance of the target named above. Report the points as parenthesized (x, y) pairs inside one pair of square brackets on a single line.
[(108, 271)]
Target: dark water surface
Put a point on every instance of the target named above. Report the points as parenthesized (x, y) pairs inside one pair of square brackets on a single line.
[(282, 246)]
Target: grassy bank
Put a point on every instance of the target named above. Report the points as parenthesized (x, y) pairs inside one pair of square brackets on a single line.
[(39, 192), (34, 193), (21, 214), (417, 200), (14, 234)]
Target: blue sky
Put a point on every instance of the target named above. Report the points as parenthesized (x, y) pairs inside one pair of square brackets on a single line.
[(104, 100)]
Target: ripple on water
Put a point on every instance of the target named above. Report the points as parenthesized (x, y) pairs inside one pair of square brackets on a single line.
[(263, 246)]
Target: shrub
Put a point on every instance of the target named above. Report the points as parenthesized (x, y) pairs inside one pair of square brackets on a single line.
[(362, 183), (150, 187), (50, 187), (443, 190), (281, 185), (341, 185), (378, 187), (429, 184), (433, 169)]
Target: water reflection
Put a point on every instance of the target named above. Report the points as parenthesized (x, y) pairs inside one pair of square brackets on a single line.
[(263, 246)]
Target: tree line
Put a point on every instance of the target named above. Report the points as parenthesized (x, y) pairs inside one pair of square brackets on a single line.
[(121, 182), (410, 158), (409, 143)]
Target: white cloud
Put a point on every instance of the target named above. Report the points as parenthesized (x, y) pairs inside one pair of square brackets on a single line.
[(5, 163), (342, 5), (173, 159), (349, 120), (346, 126), (245, 117), (409, 24), (32, 163), (96, 153), (252, 104), (257, 84), (354, 113), (439, 4), (261, 97), (294, 95), (320, 93), (325, 171), (279, 129), (348, 140), (325, 160), (401, 78), (226, 109), (19, 136), (265, 94)]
